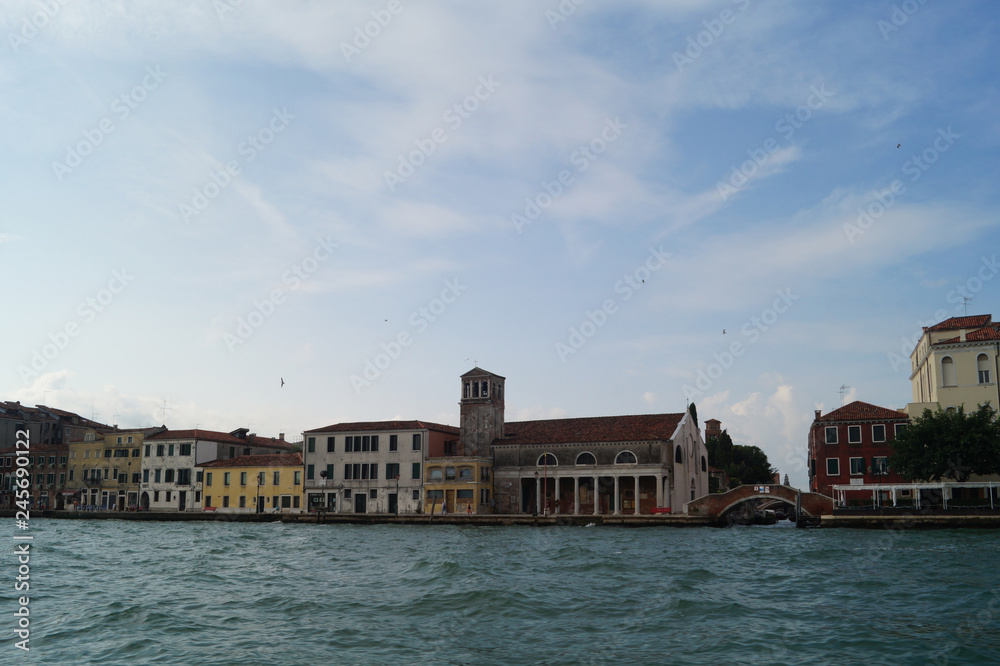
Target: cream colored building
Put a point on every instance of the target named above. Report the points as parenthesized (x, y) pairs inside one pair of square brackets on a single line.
[(955, 363)]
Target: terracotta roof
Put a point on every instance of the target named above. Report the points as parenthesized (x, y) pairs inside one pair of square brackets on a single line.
[(364, 426), (479, 371), (642, 427), (862, 411), (278, 460), (209, 435), (273, 442), (955, 323), (987, 333)]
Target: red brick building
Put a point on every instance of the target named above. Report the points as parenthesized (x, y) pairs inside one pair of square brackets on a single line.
[(852, 445)]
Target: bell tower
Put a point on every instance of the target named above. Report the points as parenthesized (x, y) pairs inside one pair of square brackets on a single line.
[(481, 419)]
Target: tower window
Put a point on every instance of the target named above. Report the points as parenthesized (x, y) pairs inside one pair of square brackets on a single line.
[(475, 389), (486, 389)]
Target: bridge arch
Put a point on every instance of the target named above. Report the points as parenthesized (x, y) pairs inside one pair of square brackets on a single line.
[(718, 504)]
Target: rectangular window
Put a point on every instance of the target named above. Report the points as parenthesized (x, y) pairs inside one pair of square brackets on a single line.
[(225, 501), (373, 494), (329, 472), (243, 478), (225, 478), (145, 475), (147, 449), (357, 471), (232, 451), (168, 476), (243, 501), (208, 479), (391, 470), (373, 474), (393, 442), (366, 443), (374, 442), (135, 453), (114, 473), (857, 466), (198, 476), (52, 460), (854, 434), (415, 473), (159, 450), (297, 478), (183, 477), (274, 501), (296, 502), (880, 465), (347, 472), (416, 495), (119, 441), (107, 454), (464, 494), (208, 500), (186, 449), (898, 428), (331, 444), (156, 475), (62, 478), (135, 477), (310, 471), (465, 473), (261, 478), (364, 471), (170, 449), (878, 433), (348, 444), (276, 478), (833, 466), (984, 376), (416, 441), (50, 478), (311, 448), (71, 475), (831, 434), (156, 496), (129, 440), (286, 502)]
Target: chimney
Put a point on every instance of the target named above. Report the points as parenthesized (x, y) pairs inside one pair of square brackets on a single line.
[(281, 436), (961, 337), (818, 412)]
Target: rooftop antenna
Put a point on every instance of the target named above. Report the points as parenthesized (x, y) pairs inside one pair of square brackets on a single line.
[(965, 302), (163, 413), (844, 388)]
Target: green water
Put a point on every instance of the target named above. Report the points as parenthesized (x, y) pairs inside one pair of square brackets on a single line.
[(115, 592)]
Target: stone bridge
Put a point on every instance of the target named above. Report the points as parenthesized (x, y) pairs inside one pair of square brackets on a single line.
[(716, 505)]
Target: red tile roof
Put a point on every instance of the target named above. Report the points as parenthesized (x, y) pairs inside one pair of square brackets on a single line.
[(209, 435), (278, 460), (988, 333), (365, 426), (642, 427), (862, 411), (955, 323)]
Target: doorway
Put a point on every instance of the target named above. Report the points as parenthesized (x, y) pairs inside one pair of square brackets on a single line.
[(182, 500), (360, 503), (393, 503)]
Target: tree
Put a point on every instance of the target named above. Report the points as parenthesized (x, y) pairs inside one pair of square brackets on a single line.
[(743, 464), (948, 444), (694, 414)]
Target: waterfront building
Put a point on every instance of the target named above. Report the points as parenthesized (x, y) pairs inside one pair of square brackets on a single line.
[(253, 484), (169, 479), (44, 425), (46, 472), (852, 445), (105, 468), (372, 466), (955, 363)]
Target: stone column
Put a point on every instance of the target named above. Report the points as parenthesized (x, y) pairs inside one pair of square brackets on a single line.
[(637, 494), (617, 498), (597, 499), (555, 502), (576, 495)]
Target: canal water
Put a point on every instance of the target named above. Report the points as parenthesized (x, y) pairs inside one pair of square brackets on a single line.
[(118, 592)]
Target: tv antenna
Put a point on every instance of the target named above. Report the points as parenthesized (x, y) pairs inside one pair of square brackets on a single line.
[(965, 302), (844, 388), (163, 413)]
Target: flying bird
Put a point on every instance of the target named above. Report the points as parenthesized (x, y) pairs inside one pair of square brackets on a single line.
[(723, 331), (282, 382), (898, 145)]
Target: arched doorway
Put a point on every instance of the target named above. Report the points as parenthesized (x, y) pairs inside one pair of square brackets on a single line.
[(145, 501)]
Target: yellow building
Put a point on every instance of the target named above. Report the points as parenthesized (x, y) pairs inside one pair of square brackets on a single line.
[(105, 469), (254, 484), (457, 485), (954, 364)]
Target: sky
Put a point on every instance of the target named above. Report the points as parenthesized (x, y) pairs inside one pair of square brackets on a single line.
[(620, 207)]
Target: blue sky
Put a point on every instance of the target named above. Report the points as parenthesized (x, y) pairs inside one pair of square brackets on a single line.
[(203, 198)]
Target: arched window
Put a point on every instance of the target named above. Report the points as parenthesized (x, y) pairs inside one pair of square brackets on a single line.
[(704, 464), (547, 459), (678, 456), (586, 458), (625, 458), (948, 377), (983, 366)]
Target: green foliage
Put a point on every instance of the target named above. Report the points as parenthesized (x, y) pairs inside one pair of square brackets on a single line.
[(743, 464), (948, 445)]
